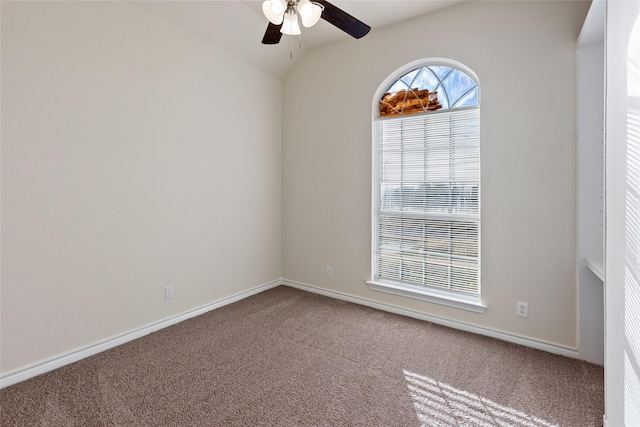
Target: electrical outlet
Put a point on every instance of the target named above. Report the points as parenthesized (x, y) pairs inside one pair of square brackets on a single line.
[(168, 293), (522, 309), (328, 271)]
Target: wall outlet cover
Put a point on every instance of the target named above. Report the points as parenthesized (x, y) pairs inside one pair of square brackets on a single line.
[(522, 309)]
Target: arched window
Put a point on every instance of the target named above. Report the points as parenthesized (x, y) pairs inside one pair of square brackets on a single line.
[(426, 204), (429, 88)]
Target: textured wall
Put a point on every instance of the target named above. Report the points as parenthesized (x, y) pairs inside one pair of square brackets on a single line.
[(130, 162), (524, 55)]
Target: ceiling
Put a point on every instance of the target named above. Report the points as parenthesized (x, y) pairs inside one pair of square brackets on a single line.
[(238, 26)]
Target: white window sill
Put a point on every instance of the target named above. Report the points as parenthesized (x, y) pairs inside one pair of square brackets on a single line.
[(463, 302)]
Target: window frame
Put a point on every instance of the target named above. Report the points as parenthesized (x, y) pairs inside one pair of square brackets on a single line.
[(431, 294)]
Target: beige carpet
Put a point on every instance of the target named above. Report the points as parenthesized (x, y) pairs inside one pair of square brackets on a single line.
[(291, 358)]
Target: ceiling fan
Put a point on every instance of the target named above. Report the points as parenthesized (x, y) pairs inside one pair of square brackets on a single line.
[(283, 18)]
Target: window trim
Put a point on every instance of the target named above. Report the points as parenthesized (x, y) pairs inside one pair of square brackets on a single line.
[(448, 298)]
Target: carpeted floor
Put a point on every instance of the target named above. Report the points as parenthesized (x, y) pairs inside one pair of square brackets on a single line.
[(290, 358)]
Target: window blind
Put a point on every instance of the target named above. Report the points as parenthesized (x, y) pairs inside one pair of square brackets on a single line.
[(427, 207)]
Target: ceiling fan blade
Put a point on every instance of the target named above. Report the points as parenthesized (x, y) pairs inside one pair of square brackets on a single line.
[(273, 34), (343, 20)]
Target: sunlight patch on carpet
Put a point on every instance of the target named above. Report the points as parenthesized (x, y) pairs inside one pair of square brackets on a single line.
[(440, 405)]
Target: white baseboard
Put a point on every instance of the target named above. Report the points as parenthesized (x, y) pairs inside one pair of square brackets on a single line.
[(84, 352), (480, 330)]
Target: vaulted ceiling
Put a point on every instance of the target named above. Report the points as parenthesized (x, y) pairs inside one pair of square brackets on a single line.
[(238, 26)]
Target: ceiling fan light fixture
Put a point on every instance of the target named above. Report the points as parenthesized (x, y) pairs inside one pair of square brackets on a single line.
[(274, 10), (290, 25), (309, 12)]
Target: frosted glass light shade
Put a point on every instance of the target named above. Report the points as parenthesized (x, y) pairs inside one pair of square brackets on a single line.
[(309, 12), (274, 10), (290, 25)]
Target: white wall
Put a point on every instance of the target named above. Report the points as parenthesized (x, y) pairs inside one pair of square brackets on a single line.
[(524, 55), (622, 142), (590, 186), (134, 156)]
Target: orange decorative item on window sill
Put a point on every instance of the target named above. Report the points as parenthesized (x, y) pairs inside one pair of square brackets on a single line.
[(408, 102)]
